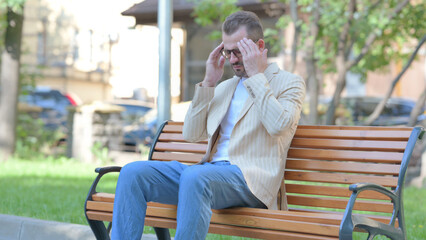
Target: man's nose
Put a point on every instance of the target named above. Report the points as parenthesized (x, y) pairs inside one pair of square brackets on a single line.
[(233, 58)]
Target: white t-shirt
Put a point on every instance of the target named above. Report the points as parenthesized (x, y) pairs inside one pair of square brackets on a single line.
[(229, 121)]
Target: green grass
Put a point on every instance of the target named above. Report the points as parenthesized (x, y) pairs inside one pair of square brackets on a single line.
[(56, 190)]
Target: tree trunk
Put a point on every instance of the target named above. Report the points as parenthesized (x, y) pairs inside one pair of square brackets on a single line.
[(9, 83), (340, 85), (297, 30), (379, 108), (311, 67), (417, 110), (341, 61)]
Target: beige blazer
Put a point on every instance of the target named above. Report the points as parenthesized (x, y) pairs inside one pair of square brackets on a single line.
[(265, 127)]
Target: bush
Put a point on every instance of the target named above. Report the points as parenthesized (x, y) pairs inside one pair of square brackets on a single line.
[(33, 140)]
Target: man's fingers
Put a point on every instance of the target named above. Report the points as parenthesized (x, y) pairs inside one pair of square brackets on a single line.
[(221, 62), (216, 51), (244, 48), (265, 53)]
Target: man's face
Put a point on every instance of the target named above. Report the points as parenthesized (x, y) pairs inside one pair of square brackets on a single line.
[(230, 43)]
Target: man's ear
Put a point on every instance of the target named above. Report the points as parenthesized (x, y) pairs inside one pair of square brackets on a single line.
[(261, 44)]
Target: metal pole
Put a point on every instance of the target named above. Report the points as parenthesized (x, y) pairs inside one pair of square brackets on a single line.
[(165, 18)]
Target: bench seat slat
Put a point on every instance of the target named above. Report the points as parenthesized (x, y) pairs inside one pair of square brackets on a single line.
[(335, 203), (170, 128), (388, 135), (339, 155), (100, 206), (334, 132), (182, 157), (393, 146), (283, 215), (240, 231), (174, 137), (181, 147), (255, 221), (347, 167), (332, 191), (103, 197), (340, 178), (387, 146), (379, 218)]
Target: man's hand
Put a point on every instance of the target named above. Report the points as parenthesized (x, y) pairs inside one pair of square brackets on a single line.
[(255, 60), (214, 67)]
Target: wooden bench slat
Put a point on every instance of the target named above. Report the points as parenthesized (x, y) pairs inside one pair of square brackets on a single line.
[(174, 137), (335, 203), (347, 167), (240, 231), (99, 216), (339, 155), (103, 197), (393, 146), (181, 147), (339, 127), (283, 215), (379, 218), (170, 128), (183, 157), (340, 178), (338, 144), (334, 132), (100, 206), (255, 221), (332, 191), (388, 135)]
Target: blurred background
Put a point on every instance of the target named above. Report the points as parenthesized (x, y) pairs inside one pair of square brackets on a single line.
[(87, 86)]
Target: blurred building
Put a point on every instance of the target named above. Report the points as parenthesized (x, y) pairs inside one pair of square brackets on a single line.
[(89, 49)]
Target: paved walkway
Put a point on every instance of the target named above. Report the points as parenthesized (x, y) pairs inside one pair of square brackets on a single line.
[(23, 228)]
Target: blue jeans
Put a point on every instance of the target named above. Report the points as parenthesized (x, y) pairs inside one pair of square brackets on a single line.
[(194, 189)]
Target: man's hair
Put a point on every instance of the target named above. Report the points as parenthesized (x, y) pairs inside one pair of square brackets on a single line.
[(244, 18)]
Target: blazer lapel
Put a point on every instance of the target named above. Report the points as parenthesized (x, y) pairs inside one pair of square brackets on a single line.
[(225, 99), (270, 72)]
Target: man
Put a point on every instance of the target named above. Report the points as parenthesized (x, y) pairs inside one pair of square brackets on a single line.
[(249, 121)]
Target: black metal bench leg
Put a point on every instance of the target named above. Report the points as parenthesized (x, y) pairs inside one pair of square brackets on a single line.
[(99, 230), (162, 233)]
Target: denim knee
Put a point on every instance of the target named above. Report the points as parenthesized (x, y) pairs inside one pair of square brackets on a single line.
[(193, 179)]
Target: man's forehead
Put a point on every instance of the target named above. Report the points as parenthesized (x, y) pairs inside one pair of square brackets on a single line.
[(230, 41)]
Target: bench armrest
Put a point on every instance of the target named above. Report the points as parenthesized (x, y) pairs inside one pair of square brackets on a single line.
[(104, 170), (350, 221), (359, 187), (101, 172)]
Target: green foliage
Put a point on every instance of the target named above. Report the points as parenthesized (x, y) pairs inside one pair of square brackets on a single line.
[(101, 152), (15, 5), (369, 18), (209, 12), (33, 141)]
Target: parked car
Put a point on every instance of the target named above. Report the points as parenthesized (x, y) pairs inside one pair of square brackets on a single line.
[(53, 105), (355, 110), (396, 112), (143, 132), (135, 129)]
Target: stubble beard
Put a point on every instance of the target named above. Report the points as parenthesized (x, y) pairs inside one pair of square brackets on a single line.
[(241, 72)]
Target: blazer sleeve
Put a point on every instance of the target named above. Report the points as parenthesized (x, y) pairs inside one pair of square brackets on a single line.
[(280, 111), (195, 123)]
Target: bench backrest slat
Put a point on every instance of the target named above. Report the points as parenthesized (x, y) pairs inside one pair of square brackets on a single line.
[(322, 162)]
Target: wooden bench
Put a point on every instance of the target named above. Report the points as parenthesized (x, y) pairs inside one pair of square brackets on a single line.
[(328, 168)]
